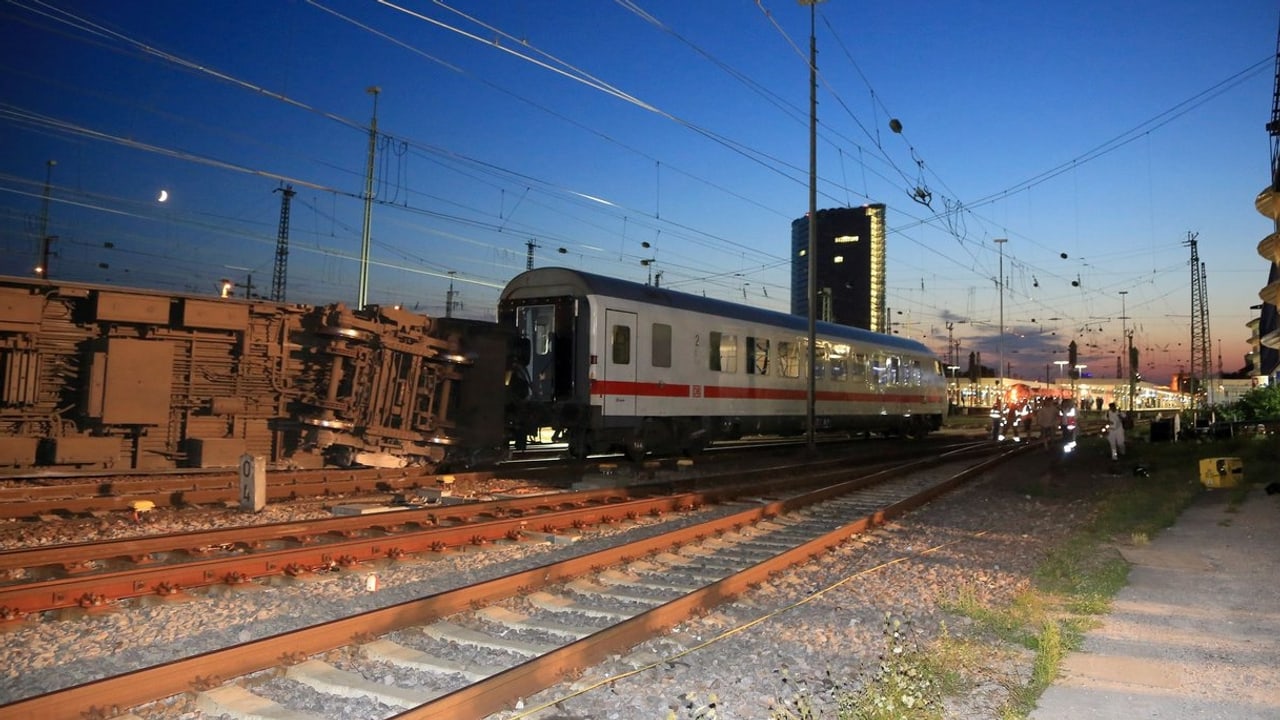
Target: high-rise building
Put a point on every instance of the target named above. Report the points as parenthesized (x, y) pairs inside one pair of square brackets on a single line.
[(850, 266)]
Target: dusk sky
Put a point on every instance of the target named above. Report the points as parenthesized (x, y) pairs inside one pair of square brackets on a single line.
[(1104, 132)]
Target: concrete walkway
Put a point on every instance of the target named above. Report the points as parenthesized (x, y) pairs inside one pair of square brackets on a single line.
[(1196, 633)]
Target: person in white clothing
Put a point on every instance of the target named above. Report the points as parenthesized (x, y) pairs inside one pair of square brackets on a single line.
[(1115, 431)]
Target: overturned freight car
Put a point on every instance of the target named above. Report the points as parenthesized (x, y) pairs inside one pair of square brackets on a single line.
[(105, 377)]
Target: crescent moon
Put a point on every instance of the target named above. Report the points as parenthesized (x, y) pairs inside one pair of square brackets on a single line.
[(164, 195)]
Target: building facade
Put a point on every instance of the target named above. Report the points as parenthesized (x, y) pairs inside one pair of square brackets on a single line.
[(850, 266)]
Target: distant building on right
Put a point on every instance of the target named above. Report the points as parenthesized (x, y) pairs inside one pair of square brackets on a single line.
[(850, 262)]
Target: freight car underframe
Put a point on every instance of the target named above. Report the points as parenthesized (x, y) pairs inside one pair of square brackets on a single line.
[(109, 377)]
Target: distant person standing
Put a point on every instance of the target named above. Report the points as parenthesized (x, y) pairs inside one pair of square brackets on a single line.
[(1115, 431), (1048, 417)]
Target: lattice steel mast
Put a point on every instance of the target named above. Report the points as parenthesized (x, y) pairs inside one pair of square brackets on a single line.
[(281, 273), (1201, 361)]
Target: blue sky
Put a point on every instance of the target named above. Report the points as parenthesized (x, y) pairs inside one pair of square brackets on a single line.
[(1103, 131)]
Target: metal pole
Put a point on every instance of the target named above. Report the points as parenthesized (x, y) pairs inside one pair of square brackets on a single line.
[(1000, 284), (1124, 336), (363, 294), (42, 271), (811, 413)]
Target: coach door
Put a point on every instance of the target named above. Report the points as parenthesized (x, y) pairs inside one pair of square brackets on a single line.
[(619, 364)]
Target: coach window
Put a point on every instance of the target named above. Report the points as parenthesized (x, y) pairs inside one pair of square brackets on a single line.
[(879, 370), (757, 356), (893, 370), (621, 345), (789, 359), (858, 367), (913, 372), (661, 355), (820, 363), (724, 352), (840, 368)]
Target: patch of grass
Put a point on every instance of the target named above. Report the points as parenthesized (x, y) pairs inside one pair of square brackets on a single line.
[(1009, 623), (1077, 580)]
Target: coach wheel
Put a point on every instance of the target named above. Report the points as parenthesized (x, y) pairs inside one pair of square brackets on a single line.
[(920, 426), (912, 429), (579, 443), (696, 442), (636, 449)]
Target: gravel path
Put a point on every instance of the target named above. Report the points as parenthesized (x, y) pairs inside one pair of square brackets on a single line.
[(824, 620)]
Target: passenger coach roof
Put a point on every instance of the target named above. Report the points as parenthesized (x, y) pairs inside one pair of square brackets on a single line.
[(553, 281)]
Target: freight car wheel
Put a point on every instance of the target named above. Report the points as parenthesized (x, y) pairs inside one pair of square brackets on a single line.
[(347, 333)]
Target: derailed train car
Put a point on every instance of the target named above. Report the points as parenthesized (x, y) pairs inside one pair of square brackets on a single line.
[(104, 377), (612, 365)]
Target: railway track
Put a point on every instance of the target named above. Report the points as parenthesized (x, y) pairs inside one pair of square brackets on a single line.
[(100, 574), (31, 496), (568, 615), (69, 494)]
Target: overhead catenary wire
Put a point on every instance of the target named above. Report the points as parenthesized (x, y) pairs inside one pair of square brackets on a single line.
[(953, 218)]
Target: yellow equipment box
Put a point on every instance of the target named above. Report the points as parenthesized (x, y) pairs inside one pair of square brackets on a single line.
[(1222, 472)]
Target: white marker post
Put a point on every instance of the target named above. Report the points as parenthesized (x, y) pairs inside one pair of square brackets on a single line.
[(253, 483)]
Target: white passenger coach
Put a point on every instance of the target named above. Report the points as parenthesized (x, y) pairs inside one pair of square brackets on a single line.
[(609, 365)]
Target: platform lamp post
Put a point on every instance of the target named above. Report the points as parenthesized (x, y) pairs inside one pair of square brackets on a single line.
[(813, 220)]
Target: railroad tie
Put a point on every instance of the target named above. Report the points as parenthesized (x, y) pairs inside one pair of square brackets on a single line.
[(450, 632), (519, 621), (407, 657), (236, 702), (326, 678), (561, 604)]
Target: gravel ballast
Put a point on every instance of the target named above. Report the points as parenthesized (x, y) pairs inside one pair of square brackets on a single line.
[(825, 619)]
